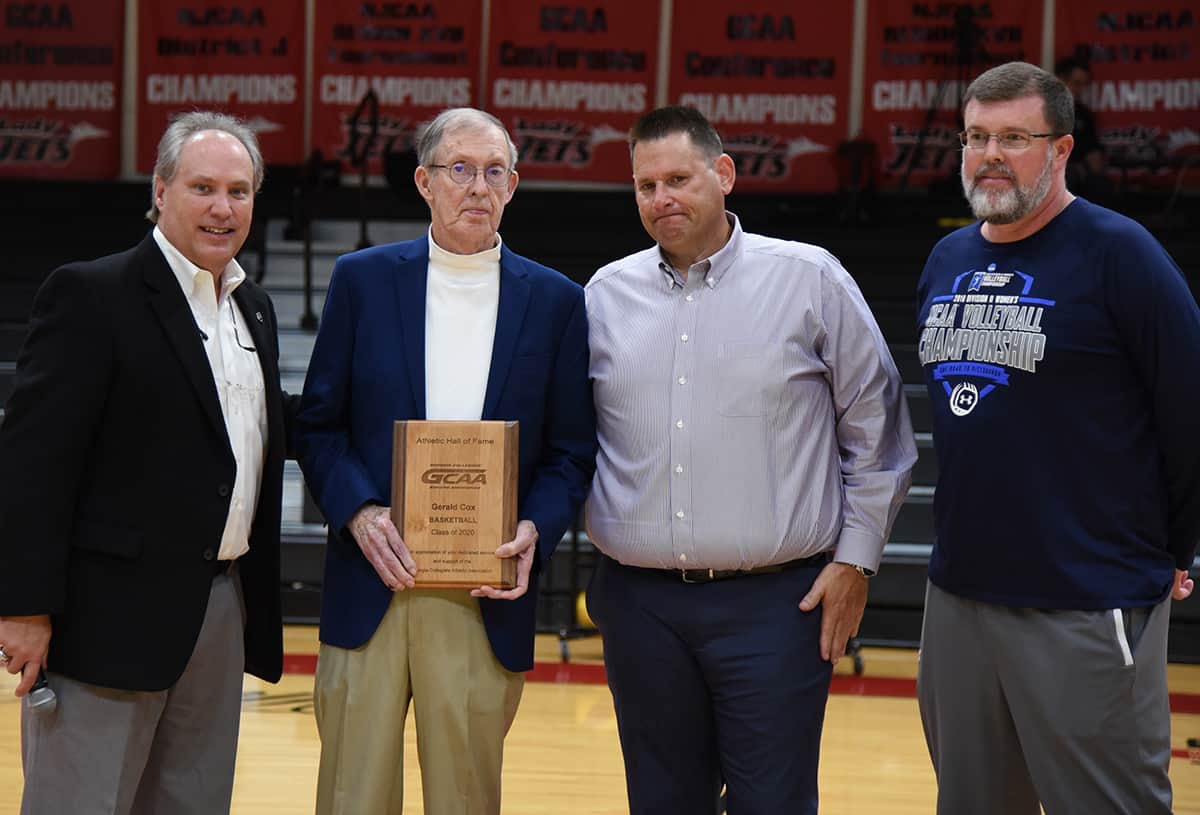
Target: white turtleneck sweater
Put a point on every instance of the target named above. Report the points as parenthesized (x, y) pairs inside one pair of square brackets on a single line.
[(461, 301)]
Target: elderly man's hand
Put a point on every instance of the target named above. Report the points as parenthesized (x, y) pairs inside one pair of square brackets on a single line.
[(842, 594), (383, 547), (523, 547), (26, 641), (1182, 589)]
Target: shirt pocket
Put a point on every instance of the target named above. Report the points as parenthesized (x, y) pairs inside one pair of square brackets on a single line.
[(245, 393), (749, 378)]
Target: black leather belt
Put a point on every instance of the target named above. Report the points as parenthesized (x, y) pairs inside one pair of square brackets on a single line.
[(709, 575)]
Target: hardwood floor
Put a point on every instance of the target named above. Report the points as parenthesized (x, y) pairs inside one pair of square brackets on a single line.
[(562, 756)]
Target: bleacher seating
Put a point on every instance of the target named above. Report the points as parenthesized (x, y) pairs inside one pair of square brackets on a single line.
[(575, 232)]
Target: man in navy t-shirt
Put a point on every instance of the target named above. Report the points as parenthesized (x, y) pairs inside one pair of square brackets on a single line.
[(1060, 345)]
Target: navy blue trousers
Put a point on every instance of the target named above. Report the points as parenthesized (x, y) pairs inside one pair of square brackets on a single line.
[(714, 683)]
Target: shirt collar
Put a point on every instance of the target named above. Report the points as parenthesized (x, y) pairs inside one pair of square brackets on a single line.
[(477, 262), (186, 272), (714, 266)]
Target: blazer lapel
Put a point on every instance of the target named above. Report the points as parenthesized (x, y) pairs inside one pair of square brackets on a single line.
[(510, 316), (171, 308), (412, 276)]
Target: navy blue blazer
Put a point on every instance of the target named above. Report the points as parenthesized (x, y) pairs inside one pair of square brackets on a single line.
[(368, 370)]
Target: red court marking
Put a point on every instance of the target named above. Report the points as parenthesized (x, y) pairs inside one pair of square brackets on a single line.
[(299, 663), (873, 686), (584, 673)]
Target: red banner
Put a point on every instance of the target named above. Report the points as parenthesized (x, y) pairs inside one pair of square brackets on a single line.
[(1144, 59), (920, 59), (774, 81), (247, 60), (569, 82), (418, 58), (60, 89)]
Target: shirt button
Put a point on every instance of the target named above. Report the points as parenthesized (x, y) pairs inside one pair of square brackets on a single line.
[(683, 337), (683, 558), (679, 515), (223, 490), (689, 298), (209, 554), (683, 380), (679, 424), (678, 468)]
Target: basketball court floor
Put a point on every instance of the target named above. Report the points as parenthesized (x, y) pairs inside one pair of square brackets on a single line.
[(562, 756)]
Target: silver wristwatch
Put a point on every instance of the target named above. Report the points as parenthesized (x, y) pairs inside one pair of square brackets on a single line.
[(863, 572)]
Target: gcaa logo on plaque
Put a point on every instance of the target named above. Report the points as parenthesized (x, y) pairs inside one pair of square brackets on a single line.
[(437, 475)]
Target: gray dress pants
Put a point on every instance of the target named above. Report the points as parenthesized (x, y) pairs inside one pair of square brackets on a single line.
[(115, 752)]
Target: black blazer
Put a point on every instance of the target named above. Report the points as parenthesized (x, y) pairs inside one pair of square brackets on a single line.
[(116, 474)]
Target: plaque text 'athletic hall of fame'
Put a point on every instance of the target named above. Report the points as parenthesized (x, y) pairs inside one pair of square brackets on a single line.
[(454, 500)]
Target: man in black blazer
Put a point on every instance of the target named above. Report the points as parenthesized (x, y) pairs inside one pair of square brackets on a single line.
[(141, 461)]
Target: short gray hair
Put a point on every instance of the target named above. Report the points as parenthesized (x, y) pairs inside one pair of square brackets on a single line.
[(454, 119), (186, 125), (1016, 80)]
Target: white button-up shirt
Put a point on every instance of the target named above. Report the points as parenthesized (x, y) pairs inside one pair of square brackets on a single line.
[(237, 373)]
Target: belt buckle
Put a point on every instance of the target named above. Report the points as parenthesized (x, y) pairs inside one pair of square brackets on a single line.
[(683, 575)]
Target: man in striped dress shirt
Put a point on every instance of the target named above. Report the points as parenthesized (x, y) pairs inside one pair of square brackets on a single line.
[(754, 451)]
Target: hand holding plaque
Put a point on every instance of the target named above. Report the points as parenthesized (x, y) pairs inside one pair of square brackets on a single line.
[(454, 500), (521, 549)]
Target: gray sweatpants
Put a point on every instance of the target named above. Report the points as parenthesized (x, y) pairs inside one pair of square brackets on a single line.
[(1068, 708)]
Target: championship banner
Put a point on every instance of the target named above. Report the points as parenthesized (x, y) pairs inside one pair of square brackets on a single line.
[(60, 89), (418, 58), (1144, 60), (920, 59), (569, 82), (775, 82), (246, 60)]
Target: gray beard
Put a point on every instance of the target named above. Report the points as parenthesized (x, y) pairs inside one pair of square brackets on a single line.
[(1010, 205)]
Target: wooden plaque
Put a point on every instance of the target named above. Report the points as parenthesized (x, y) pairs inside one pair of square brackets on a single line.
[(454, 500)]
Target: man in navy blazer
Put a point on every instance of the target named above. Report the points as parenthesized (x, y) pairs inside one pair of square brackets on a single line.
[(451, 326)]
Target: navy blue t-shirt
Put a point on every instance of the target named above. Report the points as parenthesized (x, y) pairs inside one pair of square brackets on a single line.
[(1064, 374)]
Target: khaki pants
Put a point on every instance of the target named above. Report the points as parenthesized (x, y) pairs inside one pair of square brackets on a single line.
[(430, 648)]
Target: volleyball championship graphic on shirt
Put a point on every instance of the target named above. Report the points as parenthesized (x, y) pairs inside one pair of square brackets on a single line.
[(986, 327)]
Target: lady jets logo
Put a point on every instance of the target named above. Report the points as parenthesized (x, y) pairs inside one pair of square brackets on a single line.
[(963, 398)]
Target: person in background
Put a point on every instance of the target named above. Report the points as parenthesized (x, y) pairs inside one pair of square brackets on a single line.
[(1087, 167)]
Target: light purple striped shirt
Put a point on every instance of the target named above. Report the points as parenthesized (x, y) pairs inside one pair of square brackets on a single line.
[(747, 416)]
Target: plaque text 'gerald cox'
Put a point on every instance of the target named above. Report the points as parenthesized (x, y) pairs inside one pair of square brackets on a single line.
[(454, 500)]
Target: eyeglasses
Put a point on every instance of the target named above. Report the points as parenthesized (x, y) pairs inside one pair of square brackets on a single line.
[(1012, 140), (236, 337), (495, 175)]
